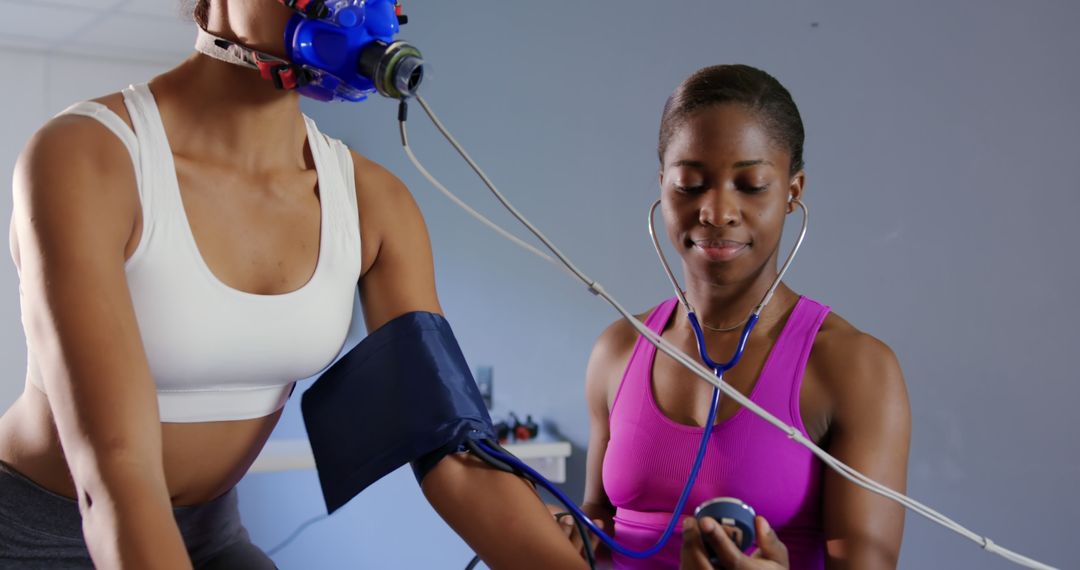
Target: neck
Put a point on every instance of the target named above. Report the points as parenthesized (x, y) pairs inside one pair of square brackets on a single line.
[(221, 112), (729, 305)]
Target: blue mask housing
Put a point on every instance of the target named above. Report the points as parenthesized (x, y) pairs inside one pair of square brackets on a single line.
[(345, 50)]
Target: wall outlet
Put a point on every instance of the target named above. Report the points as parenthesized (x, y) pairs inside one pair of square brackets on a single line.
[(484, 381)]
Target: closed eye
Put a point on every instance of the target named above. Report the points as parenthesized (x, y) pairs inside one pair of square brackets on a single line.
[(754, 189), (690, 189)]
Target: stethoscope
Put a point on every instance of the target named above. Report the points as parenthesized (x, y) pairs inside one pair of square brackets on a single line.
[(718, 368)]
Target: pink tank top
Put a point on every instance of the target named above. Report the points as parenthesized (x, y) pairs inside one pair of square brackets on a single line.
[(649, 456)]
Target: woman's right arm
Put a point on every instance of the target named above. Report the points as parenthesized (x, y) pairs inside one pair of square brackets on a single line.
[(75, 206), (602, 375)]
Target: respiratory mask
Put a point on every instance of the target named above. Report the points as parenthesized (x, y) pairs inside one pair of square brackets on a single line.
[(337, 50)]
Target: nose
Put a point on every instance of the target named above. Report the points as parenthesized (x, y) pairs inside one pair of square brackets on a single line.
[(719, 207)]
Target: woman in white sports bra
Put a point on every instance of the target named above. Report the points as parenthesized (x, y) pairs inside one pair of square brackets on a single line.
[(187, 249)]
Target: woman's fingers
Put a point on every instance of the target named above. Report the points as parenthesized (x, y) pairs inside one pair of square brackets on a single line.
[(693, 556), (716, 536), (769, 545), (593, 537), (570, 529), (566, 523)]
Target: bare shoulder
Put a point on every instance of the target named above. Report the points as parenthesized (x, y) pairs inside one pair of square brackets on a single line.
[(74, 164), (387, 210), (838, 337), (616, 341), (610, 354), (78, 142), (853, 364), (73, 175), (375, 182)]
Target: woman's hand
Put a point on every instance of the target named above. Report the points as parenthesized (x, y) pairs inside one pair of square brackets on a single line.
[(770, 555), (569, 528)]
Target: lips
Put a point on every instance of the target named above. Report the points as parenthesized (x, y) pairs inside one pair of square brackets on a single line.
[(720, 249)]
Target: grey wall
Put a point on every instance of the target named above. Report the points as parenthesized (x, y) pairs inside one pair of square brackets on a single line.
[(941, 149)]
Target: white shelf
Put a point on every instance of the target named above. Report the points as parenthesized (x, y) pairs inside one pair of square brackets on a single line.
[(547, 457), (284, 455)]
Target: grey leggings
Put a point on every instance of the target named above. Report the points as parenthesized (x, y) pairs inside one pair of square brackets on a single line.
[(40, 529)]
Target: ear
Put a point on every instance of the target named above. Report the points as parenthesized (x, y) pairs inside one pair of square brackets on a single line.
[(795, 189)]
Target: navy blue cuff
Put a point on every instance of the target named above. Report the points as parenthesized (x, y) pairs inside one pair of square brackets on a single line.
[(403, 395)]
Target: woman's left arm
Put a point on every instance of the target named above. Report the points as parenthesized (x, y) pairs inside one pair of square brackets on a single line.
[(497, 514), (870, 430)]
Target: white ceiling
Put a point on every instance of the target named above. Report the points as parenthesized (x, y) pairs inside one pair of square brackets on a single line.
[(143, 30)]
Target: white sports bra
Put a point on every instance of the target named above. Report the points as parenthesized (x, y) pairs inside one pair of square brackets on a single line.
[(217, 353)]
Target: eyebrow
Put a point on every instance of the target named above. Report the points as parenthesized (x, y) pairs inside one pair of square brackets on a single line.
[(739, 164), (693, 163), (748, 163)]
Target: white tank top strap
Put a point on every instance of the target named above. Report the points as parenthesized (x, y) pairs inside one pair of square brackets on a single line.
[(334, 159), (348, 172), (114, 123), (155, 155)]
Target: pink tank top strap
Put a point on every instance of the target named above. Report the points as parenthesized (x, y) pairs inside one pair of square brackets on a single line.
[(780, 382), (639, 367)]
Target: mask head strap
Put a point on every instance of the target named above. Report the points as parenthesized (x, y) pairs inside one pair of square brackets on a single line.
[(285, 75)]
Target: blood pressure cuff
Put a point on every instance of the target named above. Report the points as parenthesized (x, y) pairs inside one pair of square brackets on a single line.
[(403, 395)]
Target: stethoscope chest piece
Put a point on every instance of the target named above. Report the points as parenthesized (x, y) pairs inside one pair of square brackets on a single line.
[(734, 514)]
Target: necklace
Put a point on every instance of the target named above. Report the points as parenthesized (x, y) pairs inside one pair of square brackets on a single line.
[(725, 329)]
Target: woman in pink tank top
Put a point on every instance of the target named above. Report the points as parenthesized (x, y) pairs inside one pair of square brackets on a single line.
[(731, 162)]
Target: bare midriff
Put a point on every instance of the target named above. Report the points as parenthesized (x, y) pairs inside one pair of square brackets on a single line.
[(201, 460)]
